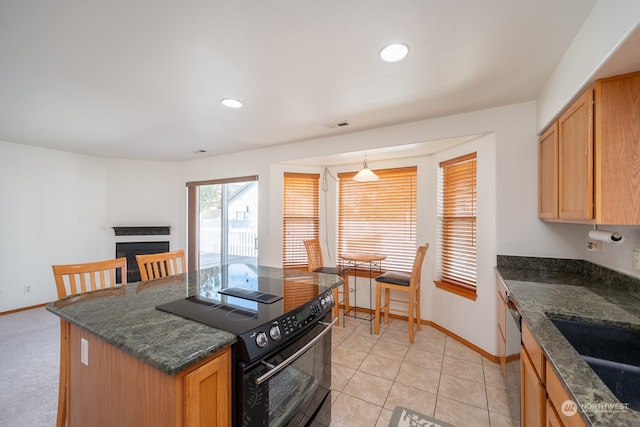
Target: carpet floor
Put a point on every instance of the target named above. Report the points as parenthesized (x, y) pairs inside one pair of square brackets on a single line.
[(29, 363)]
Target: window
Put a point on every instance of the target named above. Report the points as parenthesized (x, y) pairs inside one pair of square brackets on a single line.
[(379, 216), (300, 217), (222, 223), (457, 215)]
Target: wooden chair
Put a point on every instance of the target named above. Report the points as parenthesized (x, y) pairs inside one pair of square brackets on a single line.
[(72, 279), (155, 266), (409, 283), (316, 263)]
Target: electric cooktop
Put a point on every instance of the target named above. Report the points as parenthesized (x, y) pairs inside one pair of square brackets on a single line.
[(240, 297)]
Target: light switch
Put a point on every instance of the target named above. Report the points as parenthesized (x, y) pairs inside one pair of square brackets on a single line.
[(636, 258), (84, 351)]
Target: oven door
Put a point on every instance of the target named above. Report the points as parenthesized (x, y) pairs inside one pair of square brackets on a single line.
[(290, 387)]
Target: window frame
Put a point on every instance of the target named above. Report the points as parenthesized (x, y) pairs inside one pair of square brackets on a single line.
[(458, 277)]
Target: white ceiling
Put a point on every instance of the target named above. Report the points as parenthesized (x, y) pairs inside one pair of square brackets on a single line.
[(143, 79)]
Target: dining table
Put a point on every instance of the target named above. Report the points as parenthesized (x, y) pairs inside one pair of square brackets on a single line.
[(371, 262)]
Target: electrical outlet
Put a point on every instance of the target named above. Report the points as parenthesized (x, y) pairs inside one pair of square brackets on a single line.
[(595, 246), (84, 351), (636, 258), (27, 289)]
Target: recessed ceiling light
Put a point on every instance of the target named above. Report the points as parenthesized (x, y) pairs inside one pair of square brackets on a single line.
[(231, 103), (394, 52)]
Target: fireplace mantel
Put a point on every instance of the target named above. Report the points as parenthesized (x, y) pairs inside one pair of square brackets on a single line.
[(135, 230)]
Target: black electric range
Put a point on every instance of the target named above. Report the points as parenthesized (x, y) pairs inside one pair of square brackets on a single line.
[(264, 307)]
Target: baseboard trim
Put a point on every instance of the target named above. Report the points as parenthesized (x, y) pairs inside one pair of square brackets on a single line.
[(17, 310)]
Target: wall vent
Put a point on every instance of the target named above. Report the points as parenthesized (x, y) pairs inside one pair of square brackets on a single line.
[(337, 124)]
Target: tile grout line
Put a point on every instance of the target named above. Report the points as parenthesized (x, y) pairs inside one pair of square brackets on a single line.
[(435, 406)]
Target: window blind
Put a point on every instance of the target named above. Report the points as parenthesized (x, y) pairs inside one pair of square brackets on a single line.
[(379, 216), (457, 211), (300, 217)]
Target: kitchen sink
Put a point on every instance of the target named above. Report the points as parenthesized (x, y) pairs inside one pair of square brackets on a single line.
[(612, 352)]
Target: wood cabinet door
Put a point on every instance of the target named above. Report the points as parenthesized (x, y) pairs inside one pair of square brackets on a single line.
[(566, 408), (548, 173), (552, 417), (533, 394), (575, 160), (207, 393), (617, 149)]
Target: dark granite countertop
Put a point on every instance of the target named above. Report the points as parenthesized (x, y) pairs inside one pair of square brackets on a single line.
[(126, 318), (575, 292)]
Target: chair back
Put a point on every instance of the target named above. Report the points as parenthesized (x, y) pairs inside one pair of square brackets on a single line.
[(72, 279), (314, 254), (416, 271), (155, 266)]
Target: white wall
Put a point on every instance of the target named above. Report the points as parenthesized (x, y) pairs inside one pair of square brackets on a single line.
[(606, 28), (146, 194), (58, 207), (52, 212), (616, 257)]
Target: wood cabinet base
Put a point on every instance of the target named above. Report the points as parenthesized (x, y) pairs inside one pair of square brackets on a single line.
[(115, 388)]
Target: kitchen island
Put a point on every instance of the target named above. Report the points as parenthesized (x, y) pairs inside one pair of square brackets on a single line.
[(131, 364), (577, 290)]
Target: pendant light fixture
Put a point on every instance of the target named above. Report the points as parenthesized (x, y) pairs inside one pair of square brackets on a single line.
[(365, 174)]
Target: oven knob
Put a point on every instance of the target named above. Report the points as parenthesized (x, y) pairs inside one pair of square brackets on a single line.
[(261, 340), (274, 333)]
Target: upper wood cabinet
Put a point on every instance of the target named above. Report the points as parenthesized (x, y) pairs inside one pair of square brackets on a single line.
[(575, 160), (617, 150), (597, 159), (548, 173)]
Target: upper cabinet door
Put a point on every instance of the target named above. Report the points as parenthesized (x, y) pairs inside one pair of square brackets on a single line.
[(617, 149), (548, 173), (575, 156)]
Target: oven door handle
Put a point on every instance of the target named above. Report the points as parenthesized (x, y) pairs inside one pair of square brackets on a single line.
[(289, 360)]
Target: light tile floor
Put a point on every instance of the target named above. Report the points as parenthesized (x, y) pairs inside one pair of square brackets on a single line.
[(436, 376)]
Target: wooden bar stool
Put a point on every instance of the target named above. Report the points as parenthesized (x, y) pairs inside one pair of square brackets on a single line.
[(155, 266), (395, 281), (316, 263)]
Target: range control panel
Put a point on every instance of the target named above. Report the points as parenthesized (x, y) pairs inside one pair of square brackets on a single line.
[(265, 338)]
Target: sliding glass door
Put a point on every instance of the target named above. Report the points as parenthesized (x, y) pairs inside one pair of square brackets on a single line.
[(223, 222)]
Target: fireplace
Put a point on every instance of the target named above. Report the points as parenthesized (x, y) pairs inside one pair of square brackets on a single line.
[(131, 249)]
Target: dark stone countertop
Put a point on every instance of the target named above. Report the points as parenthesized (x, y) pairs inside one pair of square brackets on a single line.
[(576, 293), (126, 318)]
